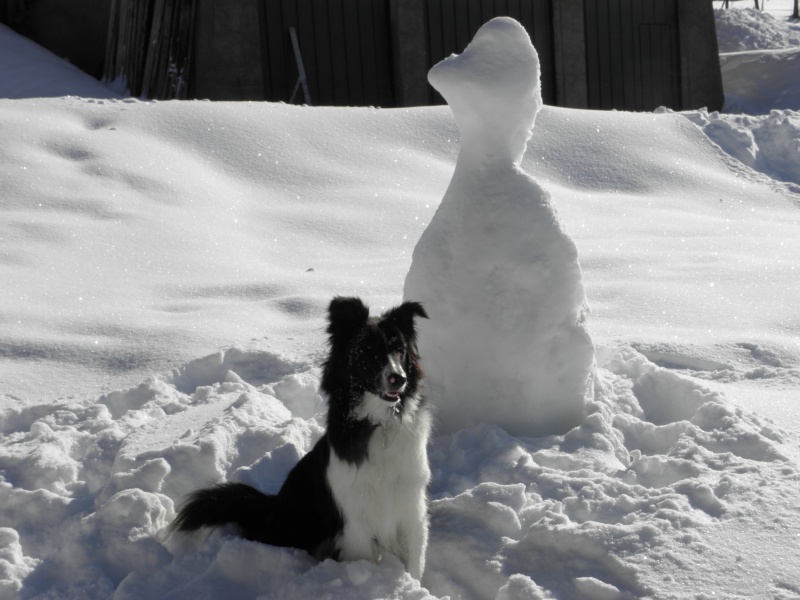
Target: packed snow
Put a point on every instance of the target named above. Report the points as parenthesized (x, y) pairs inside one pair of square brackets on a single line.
[(166, 269), (750, 29), (760, 60), (495, 269)]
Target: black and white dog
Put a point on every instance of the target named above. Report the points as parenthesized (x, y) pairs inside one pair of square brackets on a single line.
[(362, 489)]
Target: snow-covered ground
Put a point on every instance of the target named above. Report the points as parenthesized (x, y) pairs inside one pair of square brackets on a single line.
[(760, 58), (165, 269)]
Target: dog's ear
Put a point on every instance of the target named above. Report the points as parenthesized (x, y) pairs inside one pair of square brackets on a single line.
[(345, 317), (403, 317)]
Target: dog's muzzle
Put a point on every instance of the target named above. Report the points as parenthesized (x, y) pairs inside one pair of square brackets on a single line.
[(394, 380)]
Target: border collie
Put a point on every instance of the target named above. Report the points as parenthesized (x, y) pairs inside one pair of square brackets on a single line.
[(362, 490)]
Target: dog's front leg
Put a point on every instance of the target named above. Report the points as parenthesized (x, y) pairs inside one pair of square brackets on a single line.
[(414, 541)]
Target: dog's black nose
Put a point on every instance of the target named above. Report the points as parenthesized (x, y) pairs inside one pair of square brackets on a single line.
[(396, 380)]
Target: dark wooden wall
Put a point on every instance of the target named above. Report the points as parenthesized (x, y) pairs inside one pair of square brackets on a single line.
[(345, 46), (633, 54), (601, 54)]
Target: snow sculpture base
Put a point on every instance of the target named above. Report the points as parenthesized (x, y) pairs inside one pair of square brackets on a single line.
[(495, 269)]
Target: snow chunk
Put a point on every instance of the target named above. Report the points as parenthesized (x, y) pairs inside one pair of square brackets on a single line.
[(769, 144), (496, 270), (14, 565)]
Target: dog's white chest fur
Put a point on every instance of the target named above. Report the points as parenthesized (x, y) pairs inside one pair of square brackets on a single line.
[(384, 499)]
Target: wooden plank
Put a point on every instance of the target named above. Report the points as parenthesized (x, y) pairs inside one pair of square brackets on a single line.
[(539, 14), (384, 61), (627, 98), (322, 90), (374, 91), (122, 32), (435, 35), (125, 41), (189, 50), (111, 36), (353, 50), (673, 58), (604, 55), (142, 29), (462, 29), (650, 79), (474, 16), (449, 40), (646, 49), (154, 74), (487, 11), (527, 19), (592, 55), (133, 47), (338, 54), (435, 42), (177, 44), (181, 58), (305, 26), (617, 58), (133, 53), (262, 46), (152, 46), (501, 8), (637, 17), (161, 73), (276, 25)]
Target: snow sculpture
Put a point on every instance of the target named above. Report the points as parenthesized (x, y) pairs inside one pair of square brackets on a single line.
[(506, 342)]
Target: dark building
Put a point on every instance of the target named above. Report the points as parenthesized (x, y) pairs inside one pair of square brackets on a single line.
[(599, 54)]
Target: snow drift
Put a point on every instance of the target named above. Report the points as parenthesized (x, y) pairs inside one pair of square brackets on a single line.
[(30, 71)]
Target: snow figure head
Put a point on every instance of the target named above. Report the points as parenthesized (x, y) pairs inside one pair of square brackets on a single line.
[(493, 93), (495, 269)]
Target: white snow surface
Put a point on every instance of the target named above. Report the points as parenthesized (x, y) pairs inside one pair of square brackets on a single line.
[(161, 328), (760, 60), (750, 29), (495, 269), (31, 71)]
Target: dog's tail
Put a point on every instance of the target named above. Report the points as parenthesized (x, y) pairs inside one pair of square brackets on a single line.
[(235, 503)]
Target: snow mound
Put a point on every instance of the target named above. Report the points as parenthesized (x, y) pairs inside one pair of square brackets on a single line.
[(760, 61), (758, 81), (30, 71), (769, 144), (96, 484), (749, 29), (495, 269)]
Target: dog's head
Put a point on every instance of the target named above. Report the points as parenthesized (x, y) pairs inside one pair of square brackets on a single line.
[(376, 355)]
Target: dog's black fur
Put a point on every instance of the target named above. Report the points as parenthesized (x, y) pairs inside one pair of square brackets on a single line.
[(305, 514)]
